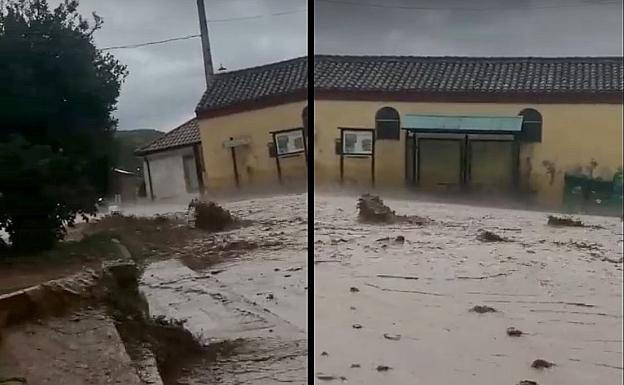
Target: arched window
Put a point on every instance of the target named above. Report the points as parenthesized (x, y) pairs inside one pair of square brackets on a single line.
[(387, 124), (304, 120), (531, 125)]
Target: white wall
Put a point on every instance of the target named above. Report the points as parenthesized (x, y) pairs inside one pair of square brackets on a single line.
[(167, 172)]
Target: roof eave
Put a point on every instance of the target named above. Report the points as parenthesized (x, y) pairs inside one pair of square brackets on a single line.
[(574, 97), (141, 153), (250, 105)]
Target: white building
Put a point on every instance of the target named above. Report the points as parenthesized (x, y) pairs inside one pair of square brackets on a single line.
[(172, 164)]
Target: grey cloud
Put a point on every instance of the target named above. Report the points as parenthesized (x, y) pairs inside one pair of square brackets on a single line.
[(504, 27), (166, 81)]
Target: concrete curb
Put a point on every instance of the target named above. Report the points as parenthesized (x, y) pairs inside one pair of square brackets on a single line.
[(29, 303)]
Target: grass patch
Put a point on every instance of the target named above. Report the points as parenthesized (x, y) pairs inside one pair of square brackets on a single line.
[(92, 247), (146, 237)]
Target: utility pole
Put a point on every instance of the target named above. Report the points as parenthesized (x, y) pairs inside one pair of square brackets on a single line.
[(203, 27)]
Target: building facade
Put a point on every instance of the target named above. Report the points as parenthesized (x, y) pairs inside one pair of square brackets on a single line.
[(253, 129), (173, 165), (472, 125)]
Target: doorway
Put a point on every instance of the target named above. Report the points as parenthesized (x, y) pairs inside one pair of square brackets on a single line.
[(455, 162), (440, 164), (491, 166)]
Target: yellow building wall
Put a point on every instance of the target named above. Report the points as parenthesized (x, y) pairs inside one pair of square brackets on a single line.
[(255, 167), (572, 136)]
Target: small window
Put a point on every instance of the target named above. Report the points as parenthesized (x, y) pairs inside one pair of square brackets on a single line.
[(388, 124), (531, 126)]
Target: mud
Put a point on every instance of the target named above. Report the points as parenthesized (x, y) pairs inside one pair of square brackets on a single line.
[(210, 216), (165, 340), (513, 332), (81, 347), (567, 301), (564, 221), (489, 236), (52, 298), (372, 210), (482, 309), (245, 289), (542, 364)]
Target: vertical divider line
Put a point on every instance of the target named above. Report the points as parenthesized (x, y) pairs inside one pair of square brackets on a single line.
[(310, 169)]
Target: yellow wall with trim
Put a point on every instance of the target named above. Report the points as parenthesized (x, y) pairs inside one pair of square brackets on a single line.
[(255, 167), (572, 135)]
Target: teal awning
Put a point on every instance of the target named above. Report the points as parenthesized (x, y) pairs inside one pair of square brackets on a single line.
[(462, 123)]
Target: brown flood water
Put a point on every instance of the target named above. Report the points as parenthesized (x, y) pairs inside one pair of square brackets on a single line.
[(404, 305)]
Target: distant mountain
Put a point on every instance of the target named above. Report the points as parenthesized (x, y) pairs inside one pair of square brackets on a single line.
[(130, 140)]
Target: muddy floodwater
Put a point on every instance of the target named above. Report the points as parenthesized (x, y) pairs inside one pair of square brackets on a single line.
[(436, 303), (227, 307), (251, 305)]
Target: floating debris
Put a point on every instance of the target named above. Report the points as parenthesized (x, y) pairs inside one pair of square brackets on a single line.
[(392, 337), (371, 209), (541, 364), (488, 236), (396, 276), (483, 309), (564, 221)]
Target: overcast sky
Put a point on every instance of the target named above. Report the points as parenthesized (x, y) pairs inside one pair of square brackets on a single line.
[(166, 81), (469, 27)]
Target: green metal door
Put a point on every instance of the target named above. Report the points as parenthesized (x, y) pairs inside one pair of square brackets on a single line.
[(491, 167), (440, 164)]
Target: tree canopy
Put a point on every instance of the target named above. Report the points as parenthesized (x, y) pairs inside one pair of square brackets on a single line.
[(58, 93)]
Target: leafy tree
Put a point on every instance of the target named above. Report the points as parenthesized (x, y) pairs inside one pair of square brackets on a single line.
[(57, 96)]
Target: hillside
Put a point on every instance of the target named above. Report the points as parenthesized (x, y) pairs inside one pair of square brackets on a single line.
[(130, 140)]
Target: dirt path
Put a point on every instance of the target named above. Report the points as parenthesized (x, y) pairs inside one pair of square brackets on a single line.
[(81, 348), (392, 301)]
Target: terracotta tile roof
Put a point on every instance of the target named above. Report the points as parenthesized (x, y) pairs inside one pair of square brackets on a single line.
[(252, 84), (184, 135), (413, 74), (469, 74)]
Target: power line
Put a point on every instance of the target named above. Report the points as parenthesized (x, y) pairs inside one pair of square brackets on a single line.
[(257, 16), (150, 43), (482, 9), (138, 45)]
